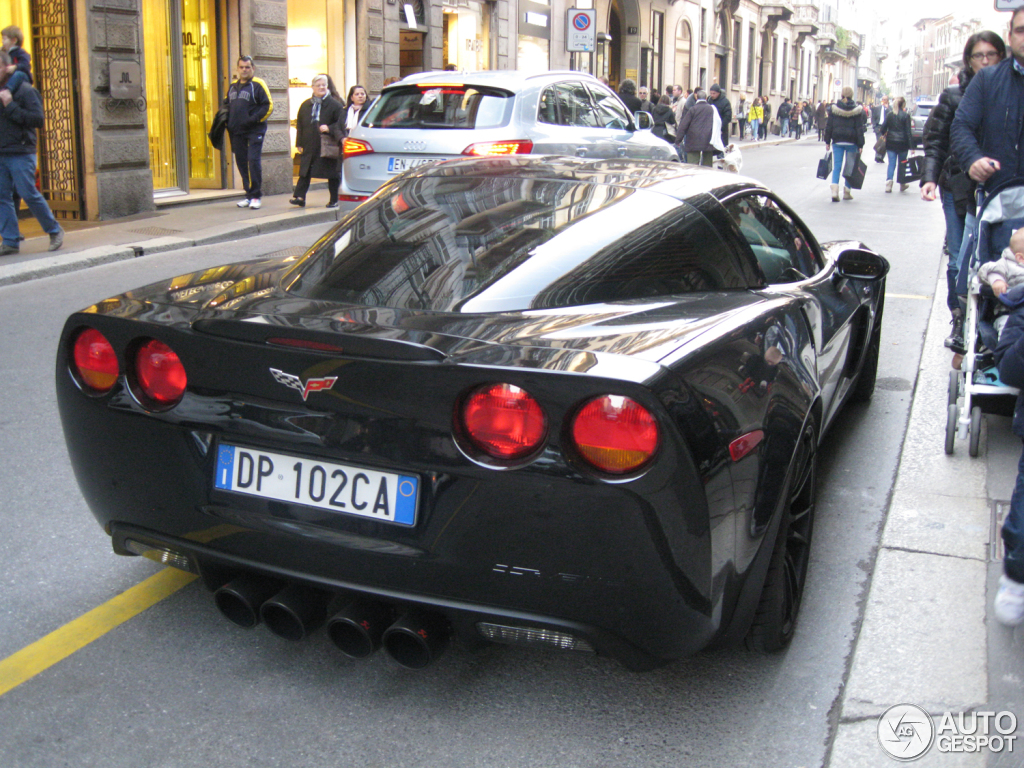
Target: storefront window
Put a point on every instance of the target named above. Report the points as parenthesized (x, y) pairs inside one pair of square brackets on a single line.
[(307, 53), (466, 36)]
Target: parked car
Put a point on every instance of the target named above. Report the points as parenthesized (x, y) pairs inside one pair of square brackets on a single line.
[(918, 117), (444, 115), (546, 401)]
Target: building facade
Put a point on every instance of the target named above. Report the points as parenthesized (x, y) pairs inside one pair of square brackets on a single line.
[(131, 87)]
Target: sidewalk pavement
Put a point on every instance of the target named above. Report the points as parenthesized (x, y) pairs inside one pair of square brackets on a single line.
[(924, 638)]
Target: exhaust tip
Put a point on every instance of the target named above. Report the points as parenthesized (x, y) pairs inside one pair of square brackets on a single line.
[(357, 630), (417, 639), (294, 612), (240, 599)]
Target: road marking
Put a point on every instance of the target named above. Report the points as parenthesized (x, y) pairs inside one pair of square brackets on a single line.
[(906, 296), (58, 645)]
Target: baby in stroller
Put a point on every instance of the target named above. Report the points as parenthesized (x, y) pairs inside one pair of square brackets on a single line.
[(1008, 271)]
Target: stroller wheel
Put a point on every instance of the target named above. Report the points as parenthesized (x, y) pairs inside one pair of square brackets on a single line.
[(975, 431), (954, 387), (951, 414)]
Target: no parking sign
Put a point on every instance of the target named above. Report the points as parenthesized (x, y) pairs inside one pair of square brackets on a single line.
[(581, 29)]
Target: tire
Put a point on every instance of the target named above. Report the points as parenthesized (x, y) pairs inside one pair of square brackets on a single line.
[(865, 386), (954, 387), (775, 620), (951, 415), (975, 432)]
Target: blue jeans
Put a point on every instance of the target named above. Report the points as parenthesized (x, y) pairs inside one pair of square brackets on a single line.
[(18, 173), (954, 239), (839, 152), (755, 129), (1013, 529), (964, 258), (784, 128), (893, 158)]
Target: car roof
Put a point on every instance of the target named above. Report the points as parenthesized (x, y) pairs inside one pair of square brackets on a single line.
[(510, 80), (678, 180)]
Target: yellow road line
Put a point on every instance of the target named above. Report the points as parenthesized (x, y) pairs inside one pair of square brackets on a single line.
[(58, 645), (906, 296)]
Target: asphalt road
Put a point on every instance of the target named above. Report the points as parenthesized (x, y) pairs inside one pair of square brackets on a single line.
[(177, 685)]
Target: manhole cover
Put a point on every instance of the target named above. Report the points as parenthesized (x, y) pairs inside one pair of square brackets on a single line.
[(156, 231), (893, 384)]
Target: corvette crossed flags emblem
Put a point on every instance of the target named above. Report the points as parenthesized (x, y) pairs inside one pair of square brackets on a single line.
[(311, 385)]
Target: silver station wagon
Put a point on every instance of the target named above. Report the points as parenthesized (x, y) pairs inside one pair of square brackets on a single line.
[(444, 115)]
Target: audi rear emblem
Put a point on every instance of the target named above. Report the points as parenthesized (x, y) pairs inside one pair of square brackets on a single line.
[(415, 146)]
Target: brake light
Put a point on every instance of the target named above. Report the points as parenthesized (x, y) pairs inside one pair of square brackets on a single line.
[(355, 147), (615, 434), (503, 421), (160, 374), (95, 361), (492, 148)]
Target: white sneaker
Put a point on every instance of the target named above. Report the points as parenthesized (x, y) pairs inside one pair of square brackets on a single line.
[(1009, 602), (255, 203), (244, 203)]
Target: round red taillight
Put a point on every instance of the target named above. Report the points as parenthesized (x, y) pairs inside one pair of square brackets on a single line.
[(160, 374), (615, 434), (503, 421), (95, 361)]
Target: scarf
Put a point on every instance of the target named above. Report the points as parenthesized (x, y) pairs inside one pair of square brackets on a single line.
[(316, 109)]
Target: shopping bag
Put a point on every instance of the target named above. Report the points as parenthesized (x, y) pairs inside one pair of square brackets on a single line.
[(854, 170), (329, 147), (880, 149), (910, 169), (825, 165)]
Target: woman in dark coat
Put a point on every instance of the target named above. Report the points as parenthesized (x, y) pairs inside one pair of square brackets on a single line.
[(844, 130), (943, 176), (663, 117), (896, 131), (321, 115)]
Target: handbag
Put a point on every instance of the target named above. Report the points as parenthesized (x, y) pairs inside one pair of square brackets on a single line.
[(854, 170), (825, 165), (911, 169), (880, 149), (329, 147)]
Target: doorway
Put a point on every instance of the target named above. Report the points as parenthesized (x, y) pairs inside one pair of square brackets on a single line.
[(181, 62)]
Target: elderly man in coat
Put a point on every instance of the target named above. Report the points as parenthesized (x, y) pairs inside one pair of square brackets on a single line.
[(694, 132)]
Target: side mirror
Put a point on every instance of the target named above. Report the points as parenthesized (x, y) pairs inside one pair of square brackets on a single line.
[(643, 121), (861, 264)]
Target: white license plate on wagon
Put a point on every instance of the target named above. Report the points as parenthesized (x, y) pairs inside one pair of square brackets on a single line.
[(399, 164), (347, 490)]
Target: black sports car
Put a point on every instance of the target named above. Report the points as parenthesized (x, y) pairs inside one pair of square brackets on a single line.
[(522, 400)]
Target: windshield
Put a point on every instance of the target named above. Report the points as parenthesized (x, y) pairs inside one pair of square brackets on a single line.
[(498, 243), (441, 106)]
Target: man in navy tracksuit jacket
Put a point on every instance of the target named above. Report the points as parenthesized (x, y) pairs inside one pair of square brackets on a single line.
[(249, 105)]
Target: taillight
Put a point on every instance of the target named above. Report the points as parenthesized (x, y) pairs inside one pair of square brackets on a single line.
[(491, 148), (503, 421), (95, 361), (615, 434), (355, 147), (160, 374)]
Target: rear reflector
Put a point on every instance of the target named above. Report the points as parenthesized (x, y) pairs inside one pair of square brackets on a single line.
[(492, 148), (531, 636), (615, 434), (95, 361), (353, 198), (744, 444), (503, 421), (160, 374)]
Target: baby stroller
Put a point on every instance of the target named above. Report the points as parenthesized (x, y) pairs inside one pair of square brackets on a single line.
[(976, 388)]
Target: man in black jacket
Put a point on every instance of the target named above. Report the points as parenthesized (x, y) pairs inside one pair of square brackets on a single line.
[(249, 105), (627, 92), (719, 101), (21, 113)]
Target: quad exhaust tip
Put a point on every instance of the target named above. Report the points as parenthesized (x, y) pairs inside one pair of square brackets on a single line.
[(417, 639)]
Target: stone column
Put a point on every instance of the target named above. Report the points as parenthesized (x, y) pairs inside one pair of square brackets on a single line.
[(268, 45)]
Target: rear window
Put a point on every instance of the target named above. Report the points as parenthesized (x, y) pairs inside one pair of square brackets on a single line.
[(499, 243), (441, 106)]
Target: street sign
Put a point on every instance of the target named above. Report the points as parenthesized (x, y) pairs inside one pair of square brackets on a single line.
[(581, 29), (838, 82)]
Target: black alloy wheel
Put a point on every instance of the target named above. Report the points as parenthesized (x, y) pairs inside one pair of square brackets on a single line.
[(775, 621)]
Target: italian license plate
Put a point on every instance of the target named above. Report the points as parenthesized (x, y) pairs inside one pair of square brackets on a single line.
[(340, 488), (399, 164)]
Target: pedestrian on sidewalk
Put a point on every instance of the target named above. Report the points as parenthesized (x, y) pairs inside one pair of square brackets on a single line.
[(755, 115), (820, 119), (249, 106), (844, 130), (21, 114), (785, 109), (943, 177), (694, 133), (741, 116), (718, 100), (766, 108), (896, 131), (664, 118), (318, 124)]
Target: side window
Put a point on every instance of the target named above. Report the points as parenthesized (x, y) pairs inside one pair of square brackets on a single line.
[(567, 104), (610, 111), (781, 247)]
